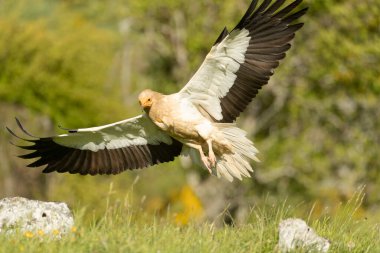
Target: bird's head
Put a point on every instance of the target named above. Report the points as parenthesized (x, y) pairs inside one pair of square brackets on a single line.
[(147, 98)]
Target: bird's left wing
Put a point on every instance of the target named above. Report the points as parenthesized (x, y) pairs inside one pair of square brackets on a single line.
[(242, 61), (129, 144)]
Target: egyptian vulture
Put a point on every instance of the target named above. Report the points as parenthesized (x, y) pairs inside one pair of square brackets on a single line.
[(198, 121)]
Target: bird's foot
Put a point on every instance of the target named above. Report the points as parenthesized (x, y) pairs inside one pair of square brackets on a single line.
[(211, 156), (207, 163), (212, 160)]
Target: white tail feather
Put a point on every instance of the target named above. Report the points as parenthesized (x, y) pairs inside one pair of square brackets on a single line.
[(235, 164)]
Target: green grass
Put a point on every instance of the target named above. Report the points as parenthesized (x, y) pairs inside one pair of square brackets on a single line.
[(125, 230)]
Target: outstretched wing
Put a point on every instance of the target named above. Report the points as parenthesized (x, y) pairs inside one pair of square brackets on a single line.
[(129, 144), (242, 61)]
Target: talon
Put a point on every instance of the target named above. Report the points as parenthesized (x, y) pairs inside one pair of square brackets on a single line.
[(211, 155), (212, 160), (207, 163), (209, 169)]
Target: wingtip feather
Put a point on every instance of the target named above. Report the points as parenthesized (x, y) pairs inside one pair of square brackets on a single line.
[(23, 129), (15, 135), (247, 15)]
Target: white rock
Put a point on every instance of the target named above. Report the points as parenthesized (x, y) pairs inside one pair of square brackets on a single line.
[(35, 216), (296, 234)]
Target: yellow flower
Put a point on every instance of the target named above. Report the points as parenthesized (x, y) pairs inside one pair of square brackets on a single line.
[(40, 232), (74, 229), (192, 206), (28, 234), (55, 232)]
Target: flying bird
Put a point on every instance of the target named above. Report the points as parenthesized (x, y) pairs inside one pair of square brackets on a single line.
[(198, 121)]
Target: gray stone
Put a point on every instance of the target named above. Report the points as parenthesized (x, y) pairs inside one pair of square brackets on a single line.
[(35, 217), (296, 234)]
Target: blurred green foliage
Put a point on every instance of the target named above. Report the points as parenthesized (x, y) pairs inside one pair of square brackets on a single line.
[(326, 133), (55, 62), (317, 124)]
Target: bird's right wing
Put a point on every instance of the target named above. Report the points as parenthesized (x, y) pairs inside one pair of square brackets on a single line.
[(129, 144), (242, 61)]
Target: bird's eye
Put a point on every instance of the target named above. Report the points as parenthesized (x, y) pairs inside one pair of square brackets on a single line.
[(148, 99)]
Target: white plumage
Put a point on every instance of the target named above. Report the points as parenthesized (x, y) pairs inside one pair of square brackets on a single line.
[(217, 73), (139, 130)]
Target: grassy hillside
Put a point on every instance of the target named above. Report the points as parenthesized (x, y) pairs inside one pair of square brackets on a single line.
[(123, 229)]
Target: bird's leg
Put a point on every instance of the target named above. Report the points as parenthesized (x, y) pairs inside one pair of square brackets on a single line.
[(211, 155), (206, 162), (204, 158)]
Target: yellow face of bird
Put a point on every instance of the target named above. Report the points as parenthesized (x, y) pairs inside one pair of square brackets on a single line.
[(146, 99)]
